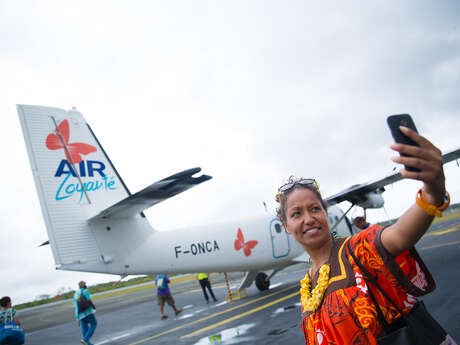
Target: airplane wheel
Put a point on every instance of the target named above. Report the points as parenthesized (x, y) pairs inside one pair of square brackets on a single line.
[(262, 282)]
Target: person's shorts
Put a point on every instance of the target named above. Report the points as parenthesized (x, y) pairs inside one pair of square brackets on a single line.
[(162, 299)]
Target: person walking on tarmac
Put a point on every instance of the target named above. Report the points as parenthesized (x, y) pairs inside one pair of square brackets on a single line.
[(164, 295), (84, 313), (203, 279)]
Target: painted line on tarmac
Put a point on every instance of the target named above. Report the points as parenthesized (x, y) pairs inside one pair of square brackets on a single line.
[(217, 286), (441, 232), (236, 317), (441, 245), (213, 315)]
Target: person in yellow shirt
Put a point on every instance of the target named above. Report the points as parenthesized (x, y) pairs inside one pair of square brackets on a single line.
[(203, 279)]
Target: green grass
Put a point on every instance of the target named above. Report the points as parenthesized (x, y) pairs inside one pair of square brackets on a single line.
[(103, 287), (92, 289)]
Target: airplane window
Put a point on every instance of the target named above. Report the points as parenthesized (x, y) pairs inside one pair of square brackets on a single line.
[(278, 228)]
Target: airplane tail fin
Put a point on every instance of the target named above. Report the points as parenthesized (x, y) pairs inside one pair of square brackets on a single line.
[(93, 222), (75, 181)]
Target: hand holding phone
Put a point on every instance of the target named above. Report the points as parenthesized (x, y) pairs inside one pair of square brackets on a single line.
[(394, 122)]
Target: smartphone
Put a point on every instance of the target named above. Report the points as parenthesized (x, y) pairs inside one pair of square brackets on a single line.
[(394, 121)]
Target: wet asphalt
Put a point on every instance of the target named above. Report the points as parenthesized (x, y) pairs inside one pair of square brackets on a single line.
[(269, 317)]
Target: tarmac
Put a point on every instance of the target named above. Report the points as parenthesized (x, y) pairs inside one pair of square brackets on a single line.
[(268, 317)]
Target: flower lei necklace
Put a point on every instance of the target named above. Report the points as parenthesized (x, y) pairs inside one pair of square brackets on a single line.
[(311, 299)]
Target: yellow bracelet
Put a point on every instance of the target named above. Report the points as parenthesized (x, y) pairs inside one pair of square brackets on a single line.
[(432, 210)]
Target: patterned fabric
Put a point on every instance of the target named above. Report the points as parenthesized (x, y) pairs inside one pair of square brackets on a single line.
[(7, 315), (347, 314), (88, 311)]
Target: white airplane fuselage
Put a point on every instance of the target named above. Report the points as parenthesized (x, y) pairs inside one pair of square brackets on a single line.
[(211, 248), (95, 224)]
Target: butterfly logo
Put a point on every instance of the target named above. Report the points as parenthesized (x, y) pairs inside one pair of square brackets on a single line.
[(247, 246), (73, 151)]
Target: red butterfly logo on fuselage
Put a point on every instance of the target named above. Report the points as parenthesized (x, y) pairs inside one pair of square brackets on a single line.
[(247, 246), (75, 150)]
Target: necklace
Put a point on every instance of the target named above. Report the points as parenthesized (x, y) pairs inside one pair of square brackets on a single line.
[(311, 299)]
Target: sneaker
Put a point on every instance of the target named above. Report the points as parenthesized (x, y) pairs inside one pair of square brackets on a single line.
[(178, 311), (84, 342), (164, 316), (207, 301)]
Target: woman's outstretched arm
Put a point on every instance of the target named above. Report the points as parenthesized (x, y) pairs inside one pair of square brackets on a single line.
[(411, 226)]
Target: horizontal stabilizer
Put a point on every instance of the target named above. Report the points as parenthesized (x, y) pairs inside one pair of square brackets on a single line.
[(153, 194)]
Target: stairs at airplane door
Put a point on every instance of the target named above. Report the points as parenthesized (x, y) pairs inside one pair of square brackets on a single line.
[(237, 294)]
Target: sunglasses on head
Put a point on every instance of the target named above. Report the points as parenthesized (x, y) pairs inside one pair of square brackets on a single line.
[(302, 181)]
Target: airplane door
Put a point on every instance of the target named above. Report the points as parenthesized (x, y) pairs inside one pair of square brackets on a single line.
[(280, 239)]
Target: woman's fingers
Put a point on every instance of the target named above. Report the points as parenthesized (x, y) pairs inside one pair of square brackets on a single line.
[(422, 141), (427, 158), (423, 165)]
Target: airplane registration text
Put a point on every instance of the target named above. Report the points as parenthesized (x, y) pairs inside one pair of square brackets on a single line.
[(198, 248)]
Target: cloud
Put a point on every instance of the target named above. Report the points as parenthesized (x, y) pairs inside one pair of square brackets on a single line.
[(250, 91)]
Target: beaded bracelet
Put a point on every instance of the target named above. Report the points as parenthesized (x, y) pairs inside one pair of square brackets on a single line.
[(432, 210)]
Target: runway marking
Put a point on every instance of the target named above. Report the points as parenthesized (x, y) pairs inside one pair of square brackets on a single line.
[(217, 286), (441, 245), (236, 317), (213, 315), (441, 232)]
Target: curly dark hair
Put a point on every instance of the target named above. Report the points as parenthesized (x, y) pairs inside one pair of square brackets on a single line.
[(4, 301), (281, 211)]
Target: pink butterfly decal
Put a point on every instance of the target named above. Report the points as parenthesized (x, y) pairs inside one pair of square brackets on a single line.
[(54, 142), (247, 246)]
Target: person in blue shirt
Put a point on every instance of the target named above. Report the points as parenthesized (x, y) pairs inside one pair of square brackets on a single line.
[(164, 295), (85, 317), (8, 314)]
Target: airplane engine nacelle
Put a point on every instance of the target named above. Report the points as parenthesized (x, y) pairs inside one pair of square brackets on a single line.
[(373, 200)]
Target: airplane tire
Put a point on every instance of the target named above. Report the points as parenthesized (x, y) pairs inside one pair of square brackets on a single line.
[(262, 282)]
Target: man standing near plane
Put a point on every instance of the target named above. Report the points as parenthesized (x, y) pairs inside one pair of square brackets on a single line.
[(164, 295), (361, 224), (84, 313), (203, 279)]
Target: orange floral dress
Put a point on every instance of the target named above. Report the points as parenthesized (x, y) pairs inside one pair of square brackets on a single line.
[(347, 315)]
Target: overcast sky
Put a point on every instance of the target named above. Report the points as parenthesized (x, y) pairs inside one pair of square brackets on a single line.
[(251, 91)]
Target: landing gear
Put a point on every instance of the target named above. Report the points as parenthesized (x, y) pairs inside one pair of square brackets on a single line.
[(262, 282)]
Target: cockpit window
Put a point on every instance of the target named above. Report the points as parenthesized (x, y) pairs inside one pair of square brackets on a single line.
[(278, 228)]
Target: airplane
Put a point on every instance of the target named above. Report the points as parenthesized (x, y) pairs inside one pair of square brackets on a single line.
[(95, 224)]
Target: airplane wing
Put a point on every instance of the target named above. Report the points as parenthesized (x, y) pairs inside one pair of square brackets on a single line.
[(357, 193), (153, 194)]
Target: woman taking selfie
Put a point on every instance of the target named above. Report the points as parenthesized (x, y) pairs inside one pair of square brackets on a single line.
[(363, 289)]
